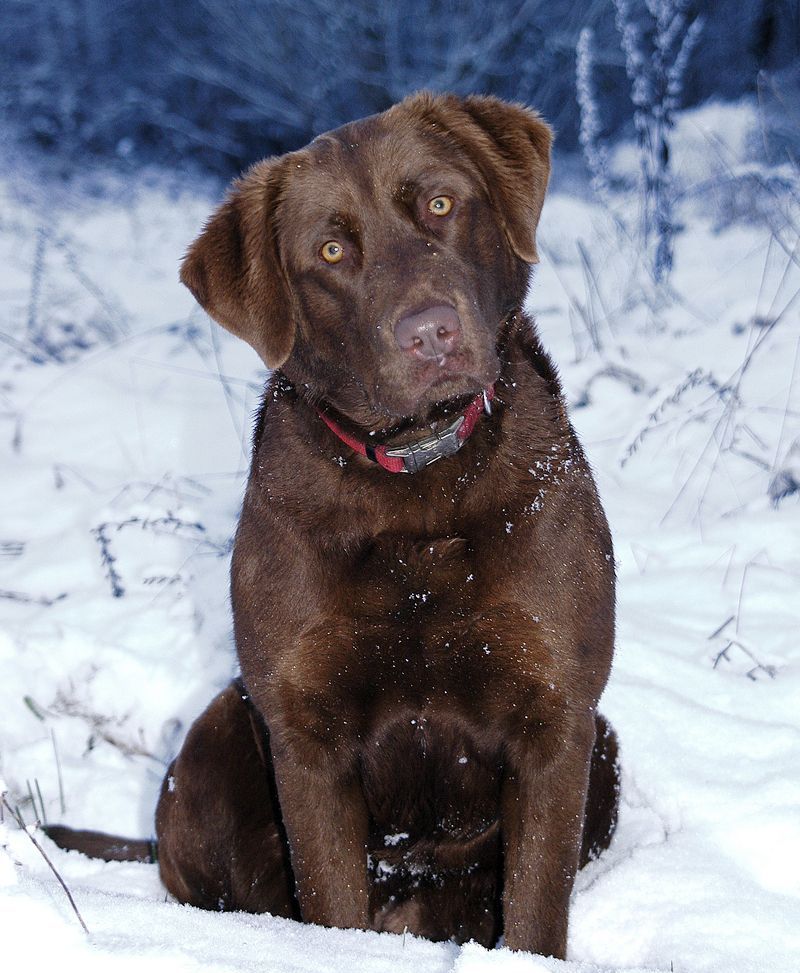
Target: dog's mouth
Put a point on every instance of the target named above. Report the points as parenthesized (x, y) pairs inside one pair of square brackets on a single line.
[(394, 423), (442, 397), (435, 392)]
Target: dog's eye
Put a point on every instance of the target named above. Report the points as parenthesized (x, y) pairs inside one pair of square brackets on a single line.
[(440, 205), (332, 252)]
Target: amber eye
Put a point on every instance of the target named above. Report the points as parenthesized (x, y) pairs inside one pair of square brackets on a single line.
[(440, 205), (332, 252)]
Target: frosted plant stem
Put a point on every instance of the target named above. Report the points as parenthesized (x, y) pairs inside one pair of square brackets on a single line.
[(17, 816)]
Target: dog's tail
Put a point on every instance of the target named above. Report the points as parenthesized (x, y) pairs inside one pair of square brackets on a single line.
[(602, 800), (96, 844)]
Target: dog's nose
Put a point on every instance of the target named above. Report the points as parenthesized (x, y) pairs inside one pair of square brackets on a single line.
[(432, 333)]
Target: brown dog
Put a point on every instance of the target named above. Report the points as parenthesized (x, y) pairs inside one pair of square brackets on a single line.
[(415, 734)]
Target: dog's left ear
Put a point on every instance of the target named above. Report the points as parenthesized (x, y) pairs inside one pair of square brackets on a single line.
[(511, 145)]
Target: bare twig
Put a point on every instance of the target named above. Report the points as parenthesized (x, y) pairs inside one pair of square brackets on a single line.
[(722, 654), (61, 800), (717, 631), (750, 564), (24, 599), (41, 800), (109, 560), (102, 727), (759, 666), (33, 706), (117, 318), (234, 412), (17, 816), (32, 800), (627, 376), (693, 380), (11, 548)]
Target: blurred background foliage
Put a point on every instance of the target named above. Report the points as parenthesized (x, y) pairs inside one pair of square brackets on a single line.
[(220, 83)]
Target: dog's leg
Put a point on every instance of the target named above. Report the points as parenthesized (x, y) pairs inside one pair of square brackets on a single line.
[(328, 834), (543, 801), (220, 841)]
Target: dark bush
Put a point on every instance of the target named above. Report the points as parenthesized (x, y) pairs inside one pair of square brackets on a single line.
[(220, 83)]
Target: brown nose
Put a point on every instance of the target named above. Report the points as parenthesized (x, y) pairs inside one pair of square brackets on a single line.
[(432, 333)]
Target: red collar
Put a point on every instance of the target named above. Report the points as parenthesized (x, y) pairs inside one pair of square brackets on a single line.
[(417, 455)]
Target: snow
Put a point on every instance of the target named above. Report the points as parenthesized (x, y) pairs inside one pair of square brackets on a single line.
[(138, 446)]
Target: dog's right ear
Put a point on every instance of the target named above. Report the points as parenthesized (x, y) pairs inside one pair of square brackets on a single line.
[(233, 268)]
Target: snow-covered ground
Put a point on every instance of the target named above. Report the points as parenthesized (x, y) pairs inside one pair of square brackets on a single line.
[(122, 468)]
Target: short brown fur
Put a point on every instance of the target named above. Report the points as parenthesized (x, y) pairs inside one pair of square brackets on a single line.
[(423, 655)]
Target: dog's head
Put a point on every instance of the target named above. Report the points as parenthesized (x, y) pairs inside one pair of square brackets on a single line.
[(377, 265)]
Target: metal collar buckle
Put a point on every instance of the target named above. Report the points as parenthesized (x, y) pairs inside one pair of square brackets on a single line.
[(416, 456)]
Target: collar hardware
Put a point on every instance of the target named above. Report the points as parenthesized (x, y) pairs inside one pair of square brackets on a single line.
[(415, 456)]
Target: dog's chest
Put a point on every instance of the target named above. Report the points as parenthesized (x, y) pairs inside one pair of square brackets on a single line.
[(423, 635), (430, 758), (417, 594)]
